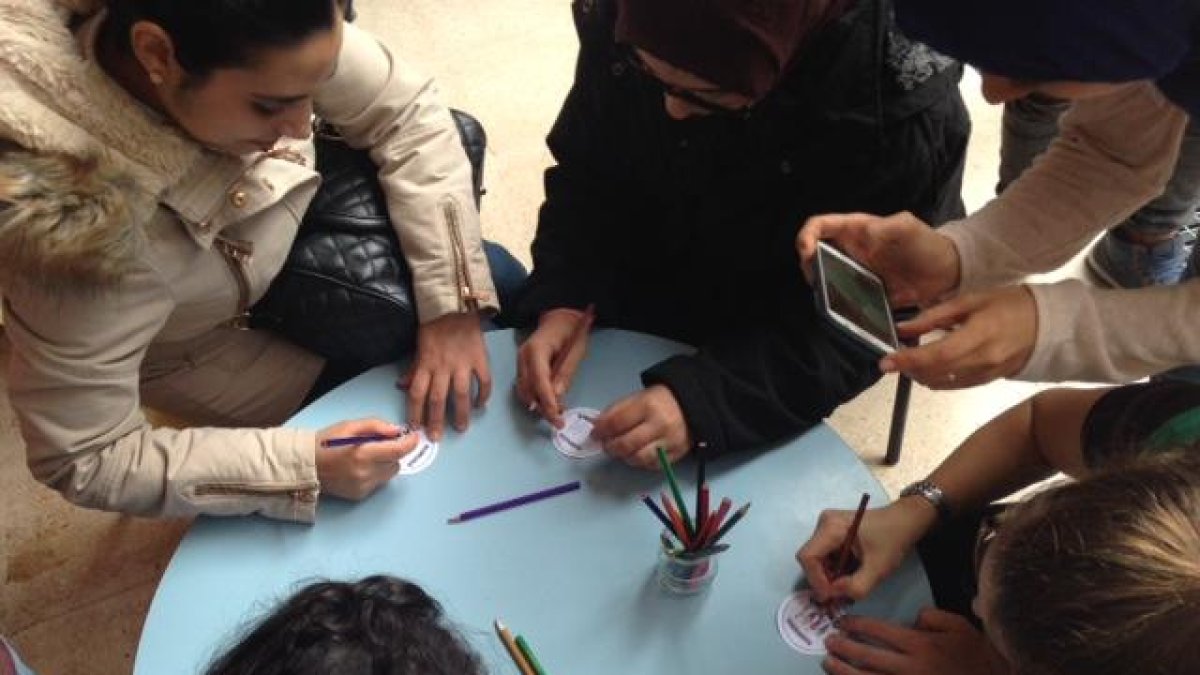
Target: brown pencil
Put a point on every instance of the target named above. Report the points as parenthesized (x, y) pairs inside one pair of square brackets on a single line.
[(848, 542), (515, 652)]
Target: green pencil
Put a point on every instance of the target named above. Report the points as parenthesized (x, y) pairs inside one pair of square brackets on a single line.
[(529, 655), (666, 467)]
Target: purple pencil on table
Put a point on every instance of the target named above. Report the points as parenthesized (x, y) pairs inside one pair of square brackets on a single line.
[(515, 502), (343, 441)]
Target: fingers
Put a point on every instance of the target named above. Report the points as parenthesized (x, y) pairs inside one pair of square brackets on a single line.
[(934, 619), (483, 372), (418, 389), (865, 657), (435, 402), (830, 226), (890, 635), (827, 537), (570, 363), (384, 452), (461, 385)]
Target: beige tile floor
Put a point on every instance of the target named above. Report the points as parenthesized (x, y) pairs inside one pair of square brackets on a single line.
[(77, 583)]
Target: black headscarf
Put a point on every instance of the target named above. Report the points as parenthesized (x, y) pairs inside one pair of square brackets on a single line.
[(1080, 40)]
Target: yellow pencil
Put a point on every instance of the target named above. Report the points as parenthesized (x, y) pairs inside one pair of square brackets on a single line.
[(515, 652)]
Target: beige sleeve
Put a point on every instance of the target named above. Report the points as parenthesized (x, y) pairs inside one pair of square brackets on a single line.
[(378, 102), (74, 384), (1114, 153), (1106, 335)]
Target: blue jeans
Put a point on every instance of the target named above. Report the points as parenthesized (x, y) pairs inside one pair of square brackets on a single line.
[(1031, 123)]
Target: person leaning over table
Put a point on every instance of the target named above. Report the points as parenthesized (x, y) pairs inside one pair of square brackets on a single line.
[(1133, 72), (693, 137), (1099, 577), (139, 144)]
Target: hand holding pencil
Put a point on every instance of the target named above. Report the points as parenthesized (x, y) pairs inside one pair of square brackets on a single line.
[(547, 361), (883, 539)]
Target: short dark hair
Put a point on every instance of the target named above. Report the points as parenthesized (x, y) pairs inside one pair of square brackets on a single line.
[(380, 625), (211, 34)]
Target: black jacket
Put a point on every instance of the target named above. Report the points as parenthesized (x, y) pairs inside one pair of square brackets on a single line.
[(686, 229)]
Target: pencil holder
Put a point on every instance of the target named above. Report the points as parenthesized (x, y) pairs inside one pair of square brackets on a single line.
[(685, 573)]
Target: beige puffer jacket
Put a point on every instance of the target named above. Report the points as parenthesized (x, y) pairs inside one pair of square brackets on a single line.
[(127, 253)]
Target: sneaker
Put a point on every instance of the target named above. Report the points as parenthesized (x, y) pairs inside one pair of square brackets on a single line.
[(1123, 264)]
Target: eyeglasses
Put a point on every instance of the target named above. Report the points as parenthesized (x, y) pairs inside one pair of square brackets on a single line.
[(686, 95)]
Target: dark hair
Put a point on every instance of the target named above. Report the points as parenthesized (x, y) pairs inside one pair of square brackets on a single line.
[(1102, 576), (378, 626), (211, 34)]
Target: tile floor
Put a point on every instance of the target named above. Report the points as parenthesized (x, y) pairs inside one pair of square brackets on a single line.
[(77, 583)]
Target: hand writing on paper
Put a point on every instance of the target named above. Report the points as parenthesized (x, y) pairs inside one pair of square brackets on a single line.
[(991, 335), (633, 428), (356, 471), (537, 386), (917, 264), (450, 354), (941, 644), (885, 537)]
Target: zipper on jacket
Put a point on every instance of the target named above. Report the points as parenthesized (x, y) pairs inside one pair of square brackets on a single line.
[(237, 255), (306, 493), (468, 300)]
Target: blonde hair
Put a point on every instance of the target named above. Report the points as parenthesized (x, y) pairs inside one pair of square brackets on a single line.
[(1102, 576)]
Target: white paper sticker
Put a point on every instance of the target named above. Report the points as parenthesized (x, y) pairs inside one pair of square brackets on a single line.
[(420, 457), (804, 625), (575, 438)]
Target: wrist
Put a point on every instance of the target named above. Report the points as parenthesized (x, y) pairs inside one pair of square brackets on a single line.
[(560, 313), (925, 500)]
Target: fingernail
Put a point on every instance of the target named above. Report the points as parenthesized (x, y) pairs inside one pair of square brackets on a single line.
[(532, 407)]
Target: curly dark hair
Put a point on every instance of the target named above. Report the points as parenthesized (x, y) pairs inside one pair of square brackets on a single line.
[(380, 625)]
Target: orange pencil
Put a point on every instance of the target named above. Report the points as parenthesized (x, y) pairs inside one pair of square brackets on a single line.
[(713, 522), (515, 652)]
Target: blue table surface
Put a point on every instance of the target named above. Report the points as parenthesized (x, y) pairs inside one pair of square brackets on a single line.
[(574, 574)]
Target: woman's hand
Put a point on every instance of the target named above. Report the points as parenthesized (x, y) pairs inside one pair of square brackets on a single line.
[(450, 354), (885, 537), (633, 428), (353, 472), (537, 387), (917, 264), (941, 644), (991, 335)]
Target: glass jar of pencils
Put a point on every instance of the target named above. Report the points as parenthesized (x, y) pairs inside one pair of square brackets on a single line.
[(685, 572)]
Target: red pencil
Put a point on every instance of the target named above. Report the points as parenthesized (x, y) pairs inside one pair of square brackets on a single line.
[(713, 523), (676, 519), (851, 535)]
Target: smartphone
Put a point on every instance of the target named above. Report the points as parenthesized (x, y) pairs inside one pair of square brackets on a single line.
[(854, 300)]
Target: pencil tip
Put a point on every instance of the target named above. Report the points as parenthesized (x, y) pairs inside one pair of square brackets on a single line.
[(452, 521)]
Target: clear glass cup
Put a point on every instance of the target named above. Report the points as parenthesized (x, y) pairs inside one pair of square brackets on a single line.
[(684, 573)]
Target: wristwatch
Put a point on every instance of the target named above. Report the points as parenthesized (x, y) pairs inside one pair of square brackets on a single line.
[(931, 493)]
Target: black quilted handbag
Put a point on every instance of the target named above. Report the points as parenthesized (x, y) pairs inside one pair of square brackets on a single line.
[(345, 291)]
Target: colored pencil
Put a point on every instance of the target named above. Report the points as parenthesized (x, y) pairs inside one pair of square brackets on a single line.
[(701, 514), (733, 520), (851, 535), (515, 502), (662, 517), (343, 441), (679, 530), (527, 651), (514, 650), (701, 509), (683, 512), (714, 522)]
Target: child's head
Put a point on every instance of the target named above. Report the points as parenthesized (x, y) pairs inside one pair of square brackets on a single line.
[(378, 626), (1102, 576)]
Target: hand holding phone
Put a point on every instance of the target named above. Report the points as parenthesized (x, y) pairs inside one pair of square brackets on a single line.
[(854, 300)]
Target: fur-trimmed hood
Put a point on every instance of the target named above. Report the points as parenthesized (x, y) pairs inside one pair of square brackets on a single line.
[(82, 164)]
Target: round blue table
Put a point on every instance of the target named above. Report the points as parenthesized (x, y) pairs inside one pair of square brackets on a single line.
[(574, 574)]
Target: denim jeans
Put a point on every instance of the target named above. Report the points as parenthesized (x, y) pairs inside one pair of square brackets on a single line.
[(1031, 123)]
